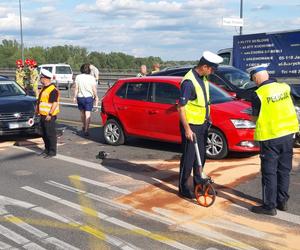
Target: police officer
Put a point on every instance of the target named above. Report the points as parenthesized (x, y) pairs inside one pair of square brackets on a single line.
[(276, 122), (20, 73), (34, 77), (194, 118), (48, 108)]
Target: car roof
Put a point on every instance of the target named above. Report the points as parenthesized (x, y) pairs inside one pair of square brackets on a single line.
[(54, 64), (153, 78)]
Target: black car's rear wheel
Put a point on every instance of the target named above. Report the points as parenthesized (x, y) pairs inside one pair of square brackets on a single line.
[(113, 133)]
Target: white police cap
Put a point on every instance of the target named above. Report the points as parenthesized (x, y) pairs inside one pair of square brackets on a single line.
[(255, 69), (46, 73), (211, 59)]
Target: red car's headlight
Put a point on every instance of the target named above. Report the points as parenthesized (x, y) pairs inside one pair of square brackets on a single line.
[(242, 123)]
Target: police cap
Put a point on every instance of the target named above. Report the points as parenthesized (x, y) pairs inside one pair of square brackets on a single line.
[(46, 73), (211, 59), (255, 69)]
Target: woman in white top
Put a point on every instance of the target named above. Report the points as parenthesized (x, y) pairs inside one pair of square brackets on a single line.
[(85, 95)]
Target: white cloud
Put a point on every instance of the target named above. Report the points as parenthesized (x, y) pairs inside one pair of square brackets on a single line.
[(46, 10)]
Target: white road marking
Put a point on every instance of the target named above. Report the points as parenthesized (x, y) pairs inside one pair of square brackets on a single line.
[(33, 246), (110, 219), (75, 161), (104, 185), (203, 232), (4, 246), (227, 225), (285, 216), (41, 235), (9, 234), (60, 244)]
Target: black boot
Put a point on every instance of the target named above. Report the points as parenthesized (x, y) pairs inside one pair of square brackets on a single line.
[(283, 206), (264, 210)]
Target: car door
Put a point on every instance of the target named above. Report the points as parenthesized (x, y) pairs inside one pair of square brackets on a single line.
[(163, 114), (131, 104)]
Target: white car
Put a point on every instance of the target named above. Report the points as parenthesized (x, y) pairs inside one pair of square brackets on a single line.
[(62, 74)]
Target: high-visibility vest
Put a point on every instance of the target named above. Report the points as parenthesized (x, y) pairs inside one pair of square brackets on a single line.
[(195, 110), (277, 116), (20, 75), (44, 105)]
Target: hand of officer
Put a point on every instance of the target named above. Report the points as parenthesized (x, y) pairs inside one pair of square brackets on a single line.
[(48, 118), (189, 134)]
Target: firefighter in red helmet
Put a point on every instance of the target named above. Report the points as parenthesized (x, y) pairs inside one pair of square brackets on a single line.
[(33, 77), (20, 73)]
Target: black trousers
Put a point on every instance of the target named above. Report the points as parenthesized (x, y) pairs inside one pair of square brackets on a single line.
[(49, 134), (276, 163), (188, 159)]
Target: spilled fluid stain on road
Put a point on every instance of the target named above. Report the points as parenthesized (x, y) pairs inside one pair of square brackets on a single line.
[(228, 221)]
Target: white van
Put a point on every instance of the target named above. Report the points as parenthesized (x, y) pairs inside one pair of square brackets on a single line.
[(62, 74)]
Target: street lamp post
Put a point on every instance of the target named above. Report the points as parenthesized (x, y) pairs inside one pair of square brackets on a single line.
[(241, 16), (21, 31)]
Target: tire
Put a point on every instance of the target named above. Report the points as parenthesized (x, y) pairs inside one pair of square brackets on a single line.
[(217, 147), (113, 133)]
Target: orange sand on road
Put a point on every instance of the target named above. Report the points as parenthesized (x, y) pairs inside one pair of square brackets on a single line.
[(162, 199)]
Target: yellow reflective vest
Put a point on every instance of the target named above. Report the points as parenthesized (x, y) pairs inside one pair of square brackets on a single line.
[(277, 116), (20, 75), (195, 110), (44, 105)]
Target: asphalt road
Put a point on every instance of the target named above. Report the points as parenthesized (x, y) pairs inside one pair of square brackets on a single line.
[(129, 199)]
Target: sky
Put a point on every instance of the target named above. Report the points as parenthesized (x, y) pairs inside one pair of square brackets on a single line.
[(170, 29)]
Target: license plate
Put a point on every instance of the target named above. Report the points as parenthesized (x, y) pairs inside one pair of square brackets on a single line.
[(14, 125)]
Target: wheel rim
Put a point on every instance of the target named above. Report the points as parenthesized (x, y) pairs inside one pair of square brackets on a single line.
[(112, 132), (215, 144)]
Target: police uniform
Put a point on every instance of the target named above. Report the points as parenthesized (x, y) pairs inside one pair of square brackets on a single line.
[(194, 96), (48, 95), (276, 123)]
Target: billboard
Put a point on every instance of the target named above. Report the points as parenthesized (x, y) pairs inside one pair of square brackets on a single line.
[(280, 50)]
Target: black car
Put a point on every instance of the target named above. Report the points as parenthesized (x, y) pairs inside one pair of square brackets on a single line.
[(17, 110), (233, 80)]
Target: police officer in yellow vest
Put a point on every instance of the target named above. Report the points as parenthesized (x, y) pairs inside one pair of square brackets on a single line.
[(195, 118), (276, 123), (48, 108)]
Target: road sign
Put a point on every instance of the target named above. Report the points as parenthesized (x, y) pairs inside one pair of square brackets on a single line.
[(233, 21)]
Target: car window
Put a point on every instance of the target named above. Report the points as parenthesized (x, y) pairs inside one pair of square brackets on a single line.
[(63, 70), (226, 58), (165, 93), (9, 88), (218, 81), (237, 77), (218, 95), (134, 91), (49, 68)]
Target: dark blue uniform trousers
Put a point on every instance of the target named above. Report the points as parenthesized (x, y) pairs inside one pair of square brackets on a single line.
[(188, 159), (49, 134), (276, 163)]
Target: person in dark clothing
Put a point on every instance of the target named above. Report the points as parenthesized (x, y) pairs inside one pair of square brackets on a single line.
[(195, 119), (48, 108), (276, 122)]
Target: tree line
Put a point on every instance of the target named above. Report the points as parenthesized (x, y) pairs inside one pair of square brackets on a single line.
[(10, 51)]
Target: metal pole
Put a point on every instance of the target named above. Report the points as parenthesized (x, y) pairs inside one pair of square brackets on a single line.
[(21, 31), (241, 16)]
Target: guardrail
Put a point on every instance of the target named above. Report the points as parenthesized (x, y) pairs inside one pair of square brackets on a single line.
[(104, 76)]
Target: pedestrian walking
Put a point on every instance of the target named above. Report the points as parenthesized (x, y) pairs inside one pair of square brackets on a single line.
[(85, 94), (194, 114), (276, 122), (48, 108)]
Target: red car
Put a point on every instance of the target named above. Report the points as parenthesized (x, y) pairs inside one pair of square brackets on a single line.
[(147, 107)]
